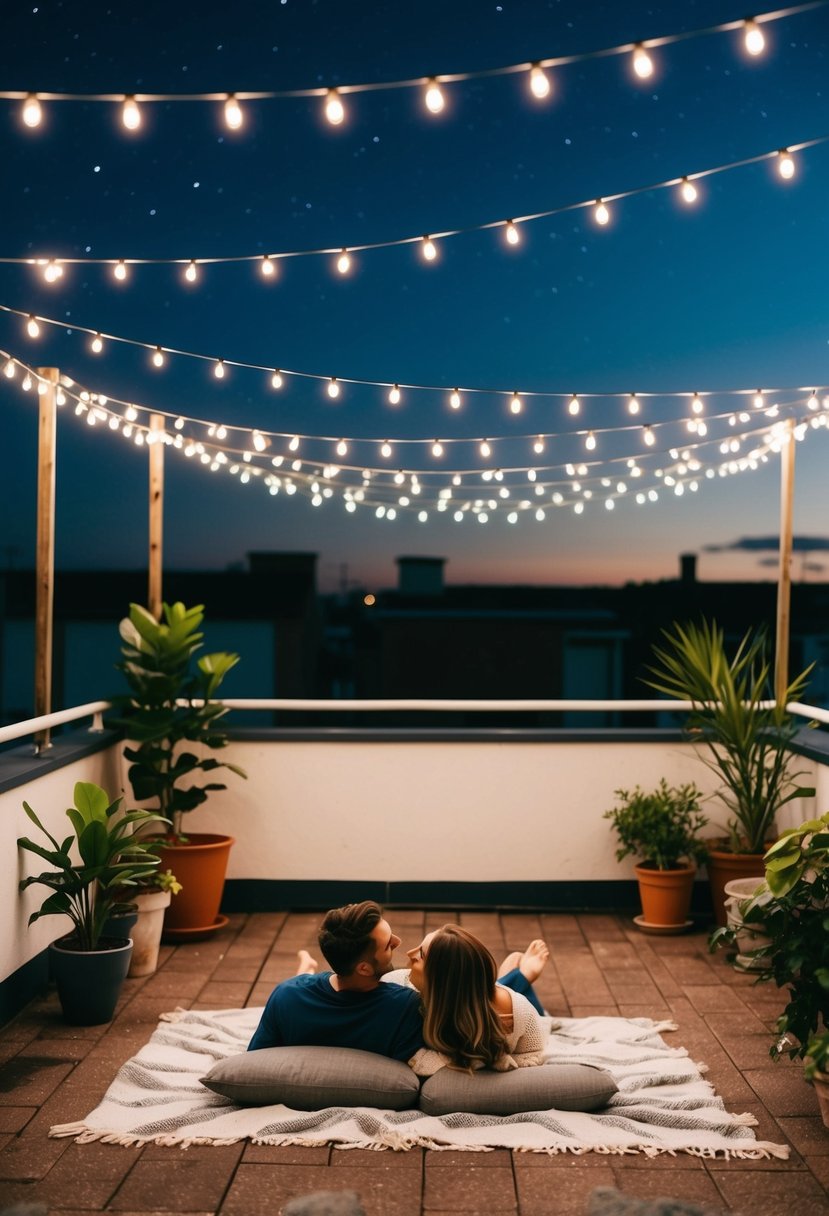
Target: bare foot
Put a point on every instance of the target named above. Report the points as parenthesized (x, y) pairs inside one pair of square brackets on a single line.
[(534, 959), (306, 964), (510, 963)]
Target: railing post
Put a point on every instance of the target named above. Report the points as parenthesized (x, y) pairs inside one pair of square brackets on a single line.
[(156, 513), (784, 572), (45, 560)]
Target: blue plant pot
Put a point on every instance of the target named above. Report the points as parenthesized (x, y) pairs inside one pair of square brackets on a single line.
[(89, 981)]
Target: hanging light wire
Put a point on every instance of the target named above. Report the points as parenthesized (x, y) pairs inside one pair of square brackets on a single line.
[(420, 82), (119, 264)]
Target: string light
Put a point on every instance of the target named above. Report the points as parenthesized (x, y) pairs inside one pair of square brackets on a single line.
[(32, 111), (158, 357), (428, 248), (539, 82), (333, 388), (590, 442), (601, 213), (344, 262), (538, 446), (753, 39), (342, 448), (130, 113), (649, 437), (455, 400), (633, 404), (385, 449), (516, 404), (191, 273), (219, 369), (574, 406), (785, 164), (32, 328), (52, 271), (233, 113), (334, 108), (394, 395), (696, 404), (119, 271), (276, 378), (268, 266), (688, 191), (512, 234), (437, 448), (96, 345), (433, 97), (642, 62)]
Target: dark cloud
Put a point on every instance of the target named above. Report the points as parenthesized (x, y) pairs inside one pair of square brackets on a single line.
[(759, 544)]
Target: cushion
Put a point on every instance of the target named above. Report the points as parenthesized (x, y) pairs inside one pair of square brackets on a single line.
[(545, 1087), (312, 1078), (607, 1201)]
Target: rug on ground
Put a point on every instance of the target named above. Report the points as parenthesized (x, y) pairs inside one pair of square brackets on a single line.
[(664, 1104)]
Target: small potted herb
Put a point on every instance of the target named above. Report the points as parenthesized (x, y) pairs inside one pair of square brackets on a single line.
[(661, 829)]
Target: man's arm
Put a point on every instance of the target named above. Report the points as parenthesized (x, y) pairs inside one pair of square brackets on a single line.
[(267, 1033)]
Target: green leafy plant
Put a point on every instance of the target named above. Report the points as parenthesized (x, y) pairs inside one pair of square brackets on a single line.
[(660, 827), (170, 703), (741, 731), (817, 1056), (111, 859), (792, 910)]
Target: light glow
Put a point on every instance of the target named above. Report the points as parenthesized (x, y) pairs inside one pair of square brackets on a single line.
[(334, 108), (130, 114), (539, 82), (434, 96), (32, 111), (753, 39), (233, 113), (642, 62)]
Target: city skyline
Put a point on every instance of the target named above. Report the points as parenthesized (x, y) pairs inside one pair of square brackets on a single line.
[(667, 298)]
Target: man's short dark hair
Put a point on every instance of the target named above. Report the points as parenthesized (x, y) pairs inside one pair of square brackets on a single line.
[(345, 935)]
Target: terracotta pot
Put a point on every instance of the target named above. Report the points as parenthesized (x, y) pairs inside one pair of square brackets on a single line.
[(666, 895), (146, 933), (200, 866), (723, 867), (821, 1083)]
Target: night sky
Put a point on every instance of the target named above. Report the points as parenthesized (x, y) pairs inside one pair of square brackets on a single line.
[(729, 293)]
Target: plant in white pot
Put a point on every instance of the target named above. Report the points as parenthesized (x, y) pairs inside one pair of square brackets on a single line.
[(171, 706), (661, 828), (150, 898), (91, 868)]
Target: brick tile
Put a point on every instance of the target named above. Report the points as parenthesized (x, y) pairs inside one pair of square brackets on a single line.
[(557, 1191), (712, 998), (86, 1194), (15, 1118), (224, 996), (366, 1158), (28, 1080), (558, 1161), (808, 1135), (259, 1190), (764, 1194), (474, 1189), (454, 1159), (641, 1161), (783, 1091), (693, 1186), (288, 1154), (181, 1180), (62, 1051), (173, 984), (767, 1129)]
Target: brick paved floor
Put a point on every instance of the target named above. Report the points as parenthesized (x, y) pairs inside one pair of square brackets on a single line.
[(52, 1073)]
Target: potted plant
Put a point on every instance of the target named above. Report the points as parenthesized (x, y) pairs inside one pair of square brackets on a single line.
[(150, 899), (661, 828), (816, 1070), (89, 968), (742, 734), (170, 705)]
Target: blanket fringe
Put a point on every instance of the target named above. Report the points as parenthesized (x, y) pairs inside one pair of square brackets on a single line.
[(174, 1015), (658, 1027)]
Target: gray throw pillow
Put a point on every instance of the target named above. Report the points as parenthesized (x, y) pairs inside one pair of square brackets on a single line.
[(607, 1201), (545, 1087), (313, 1078)]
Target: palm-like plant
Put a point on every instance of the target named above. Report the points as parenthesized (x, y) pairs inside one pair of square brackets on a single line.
[(742, 730), (111, 859), (171, 703)]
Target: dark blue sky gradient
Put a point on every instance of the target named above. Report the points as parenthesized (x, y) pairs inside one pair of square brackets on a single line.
[(729, 294)]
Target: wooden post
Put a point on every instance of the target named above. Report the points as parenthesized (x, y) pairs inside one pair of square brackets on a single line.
[(156, 513), (784, 574), (45, 555)]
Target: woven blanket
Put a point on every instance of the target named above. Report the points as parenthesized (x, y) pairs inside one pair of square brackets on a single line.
[(664, 1105)]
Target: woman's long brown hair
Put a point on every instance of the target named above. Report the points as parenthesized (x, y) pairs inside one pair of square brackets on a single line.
[(458, 990)]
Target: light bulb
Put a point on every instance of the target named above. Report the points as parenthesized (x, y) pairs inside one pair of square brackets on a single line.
[(191, 273), (385, 450), (32, 112), (259, 441), (52, 271), (158, 357), (516, 404), (179, 424), (130, 413), (759, 402), (219, 369), (753, 38), (485, 449), (538, 446), (333, 388), (434, 96), (601, 213), (268, 266), (512, 234), (574, 406), (119, 271), (812, 403), (342, 448), (590, 441), (633, 404), (32, 328), (642, 62), (437, 448), (688, 191), (785, 164), (696, 404), (293, 446), (233, 113), (27, 386), (9, 369), (130, 114), (334, 108), (344, 262), (539, 82), (428, 248), (96, 345), (455, 399), (649, 437), (276, 378)]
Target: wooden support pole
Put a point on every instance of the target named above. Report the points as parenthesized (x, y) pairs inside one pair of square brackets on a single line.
[(45, 552), (784, 574), (156, 450)]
